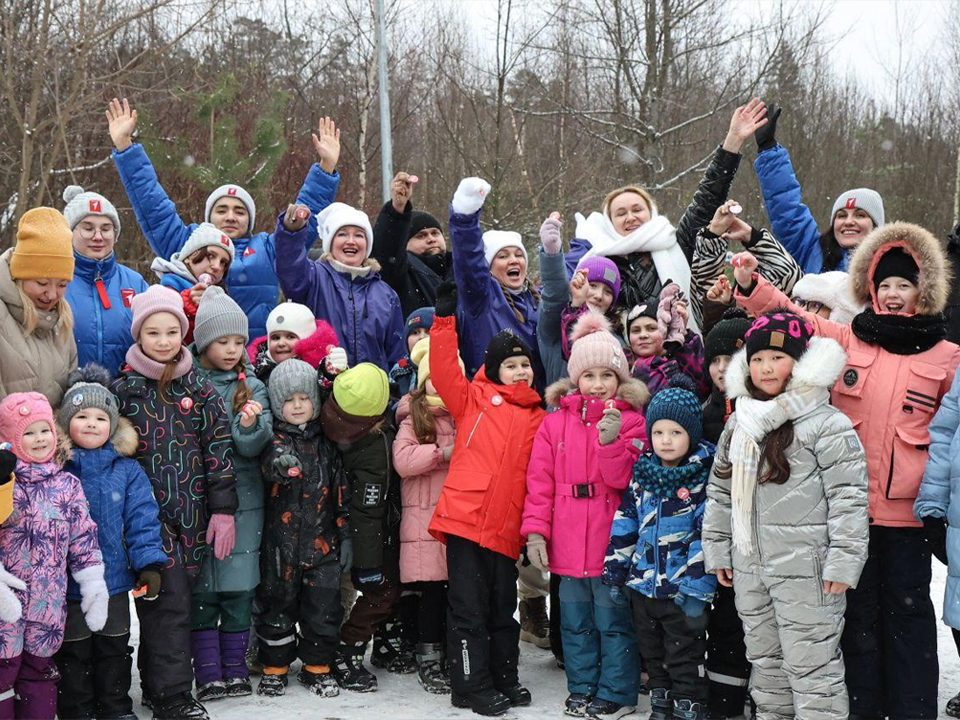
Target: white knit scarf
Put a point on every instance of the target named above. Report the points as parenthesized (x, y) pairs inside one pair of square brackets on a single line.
[(755, 420)]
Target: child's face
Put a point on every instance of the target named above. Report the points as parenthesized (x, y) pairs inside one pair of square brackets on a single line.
[(599, 382), (645, 337), (670, 442), (212, 260), (600, 296), (298, 409), (430, 387), (280, 345), (516, 369), (349, 246), (37, 440), (90, 428), (718, 370), (224, 353), (898, 295), (770, 370), (416, 336), (161, 337)]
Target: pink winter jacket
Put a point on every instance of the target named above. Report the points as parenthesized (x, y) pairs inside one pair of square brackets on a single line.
[(574, 483), (422, 471)]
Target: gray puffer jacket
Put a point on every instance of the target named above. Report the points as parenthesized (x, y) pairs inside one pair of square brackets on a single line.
[(815, 524)]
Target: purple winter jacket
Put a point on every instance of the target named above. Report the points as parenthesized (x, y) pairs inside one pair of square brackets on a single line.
[(49, 530)]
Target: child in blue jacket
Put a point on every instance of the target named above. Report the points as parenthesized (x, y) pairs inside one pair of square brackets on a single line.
[(95, 666), (655, 551)]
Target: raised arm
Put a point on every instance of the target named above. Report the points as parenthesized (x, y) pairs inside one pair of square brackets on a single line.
[(296, 271), (445, 370), (391, 230), (320, 186), (470, 270)]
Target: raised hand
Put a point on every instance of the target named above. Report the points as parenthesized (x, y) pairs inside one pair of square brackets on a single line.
[(720, 291), (745, 121), (550, 234), (401, 190), (723, 217), (470, 195), (327, 143), (579, 289), (744, 265), (765, 134), (122, 122), (296, 217)]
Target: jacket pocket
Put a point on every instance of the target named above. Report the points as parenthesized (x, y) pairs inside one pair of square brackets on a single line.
[(910, 446), (923, 388), (818, 576), (469, 491), (855, 374)]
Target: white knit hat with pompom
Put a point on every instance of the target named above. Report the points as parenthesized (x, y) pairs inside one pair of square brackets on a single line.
[(80, 204)]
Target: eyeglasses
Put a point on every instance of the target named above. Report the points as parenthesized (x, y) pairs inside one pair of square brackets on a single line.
[(90, 233), (811, 306)]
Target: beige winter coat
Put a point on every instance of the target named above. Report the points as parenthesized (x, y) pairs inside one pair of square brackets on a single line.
[(39, 362)]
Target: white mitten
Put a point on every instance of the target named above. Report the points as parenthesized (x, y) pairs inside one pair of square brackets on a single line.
[(470, 195), (336, 360), (94, 596), (10, 607)]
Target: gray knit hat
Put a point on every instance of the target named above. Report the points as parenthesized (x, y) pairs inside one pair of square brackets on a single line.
[(218, 316), (204, 235), (89, 388), (863, 198), (80, 204), (293, 376)]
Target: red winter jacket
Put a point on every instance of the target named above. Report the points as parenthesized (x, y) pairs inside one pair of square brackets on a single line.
[(482, 498)]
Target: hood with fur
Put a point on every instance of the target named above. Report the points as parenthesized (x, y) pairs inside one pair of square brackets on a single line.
[(935, 274), (819, 366), (833, 290), (631, 391), (124, 440)]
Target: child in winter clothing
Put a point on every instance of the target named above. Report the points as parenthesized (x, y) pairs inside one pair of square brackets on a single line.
[(292, 331), (595, 287), (223, 593), (786, 522), (95, 666), (403, 375), (421, 455), (722, 343), (579, 467), (828, 295), (185, 448), (306, 539), (898, 369), (49, 531), (344, 286), (479, 510), (10, 609), (655, 552)]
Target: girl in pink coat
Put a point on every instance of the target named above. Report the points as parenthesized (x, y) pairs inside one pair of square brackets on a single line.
[(581, 462), (421, 455)]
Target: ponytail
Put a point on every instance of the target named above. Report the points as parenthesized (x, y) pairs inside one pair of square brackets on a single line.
[(424, 424), (243, 393), (166, 377)]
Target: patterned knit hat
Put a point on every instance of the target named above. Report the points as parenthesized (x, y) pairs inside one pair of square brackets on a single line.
[(779, 330), (89, 388), (604, 270), (363, 390), (727, 336), (234, 191), (681, 406), (218, 315), (44, 246), (156, 299), (595, 346), (505, 344), (81, 204), (419, 318), (293, 376), (18, 411)]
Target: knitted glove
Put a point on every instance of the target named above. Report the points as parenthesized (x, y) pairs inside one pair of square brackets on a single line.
[(765, 135), (8, 463), (609, 425), (287, 466), (446, 304), (470, 195), (691, 606), (336, 360), (671, 324), (150, 580), (221, 534), (364, 578), (550, 234), (537, 551), (94, 596), (617, 596), (936, 532), (10, 607), (346, 555)]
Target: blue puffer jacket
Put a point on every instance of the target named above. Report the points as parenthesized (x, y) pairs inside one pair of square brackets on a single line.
[(364, 311), (483, 309), (791, 220), (102, 331), (122, 504), (939, 495), (655, 546), (252, 279)]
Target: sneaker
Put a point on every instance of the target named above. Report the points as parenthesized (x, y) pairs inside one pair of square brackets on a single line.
[(323, 684), (390, 652), (272, 685), (517, 694), (534, 623), (688, 710), (181, 706), (488, 701), (215, 690), (576, 704), (238, 687), (608, 709), (953, 706), (349, 671), (661, 705)]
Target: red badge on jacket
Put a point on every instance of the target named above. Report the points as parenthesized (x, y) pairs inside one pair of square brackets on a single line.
[(127, 294), (249, 251)]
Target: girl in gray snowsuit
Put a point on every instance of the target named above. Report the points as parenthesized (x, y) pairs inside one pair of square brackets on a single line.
[(786, 517)]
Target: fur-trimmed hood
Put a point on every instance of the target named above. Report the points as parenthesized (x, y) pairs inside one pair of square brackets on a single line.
[(124, 440), (368, 262), (632, 391), (935, 273), (833, 290), (819, 366)]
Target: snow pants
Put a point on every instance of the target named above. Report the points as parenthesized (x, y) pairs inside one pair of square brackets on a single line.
[(28, 687), (890, 641), (673, 646), (728, 671), (792, 631), (598, 636)]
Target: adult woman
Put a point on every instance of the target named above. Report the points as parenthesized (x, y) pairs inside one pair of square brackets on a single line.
[(102, 288), (37, 348)]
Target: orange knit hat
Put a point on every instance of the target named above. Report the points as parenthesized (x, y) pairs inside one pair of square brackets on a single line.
[(44, 246)]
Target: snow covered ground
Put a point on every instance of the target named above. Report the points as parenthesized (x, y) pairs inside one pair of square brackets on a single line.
[(401, 698)]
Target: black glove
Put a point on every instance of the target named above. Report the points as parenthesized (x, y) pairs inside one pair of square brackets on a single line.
[(446, 304), (765, 135), (149, 579), (936, 531), (8, 463)]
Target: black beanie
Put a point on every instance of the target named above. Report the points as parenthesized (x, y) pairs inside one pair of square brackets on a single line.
[(779, 330), (420, 220), (896, 262), (505, 344), (727, 336)]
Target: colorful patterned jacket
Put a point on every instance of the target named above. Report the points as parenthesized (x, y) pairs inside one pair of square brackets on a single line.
[(657, 370)]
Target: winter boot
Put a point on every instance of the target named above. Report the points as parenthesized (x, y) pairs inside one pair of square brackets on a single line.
[(608, 709), (236, 677), (273, 681), (205, 647), (534, 624), (432, 668), (319, 680), (76, 697), (254, 666), (518, 695), (112, 661), (953, 706), (488, 701), (349, 671), (688, 710), (576, 704), (661, 705), (390, 652), (181, 706)]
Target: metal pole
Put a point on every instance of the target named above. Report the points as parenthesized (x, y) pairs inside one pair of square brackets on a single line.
[(386, 136)]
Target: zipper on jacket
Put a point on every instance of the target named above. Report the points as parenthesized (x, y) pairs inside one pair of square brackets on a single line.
[(893, 455), (96, 307), (756, 523), (475, 425), (656, 547), (818, 571)]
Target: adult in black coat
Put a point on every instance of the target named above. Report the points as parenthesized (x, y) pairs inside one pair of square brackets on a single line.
[(411, 248)]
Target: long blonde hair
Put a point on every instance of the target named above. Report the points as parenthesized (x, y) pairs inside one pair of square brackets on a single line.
[(64, 327)]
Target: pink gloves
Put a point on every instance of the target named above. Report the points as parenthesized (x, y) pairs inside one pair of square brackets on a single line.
[(221, 534)]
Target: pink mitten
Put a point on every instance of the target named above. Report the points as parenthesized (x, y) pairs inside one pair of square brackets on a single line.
[(222, 534), (671, 323)]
